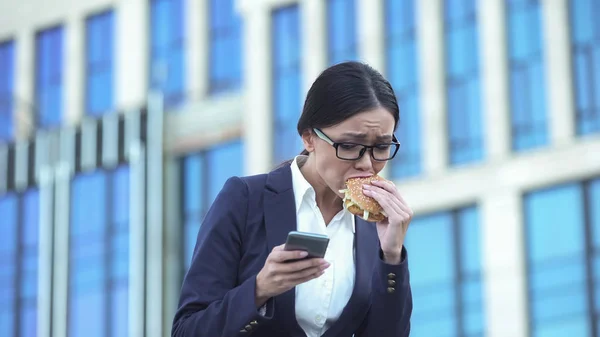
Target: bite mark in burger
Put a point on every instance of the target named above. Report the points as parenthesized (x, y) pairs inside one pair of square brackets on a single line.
[(359, 204)]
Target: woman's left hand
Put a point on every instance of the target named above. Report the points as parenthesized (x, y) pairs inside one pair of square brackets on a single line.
[(392, 230)]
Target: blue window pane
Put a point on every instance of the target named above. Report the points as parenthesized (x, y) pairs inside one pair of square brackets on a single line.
[(87, 256), (223, 162), (99, 254), (432, 275), (403, 66), (30, 219), (204, 175), (446, 281), (7, 83), (470, 267), (225, 46), (557, 270), (287, 86), (167, 62), (527, 80), (341, 31), (193, 200), (118, 292), (585, 36), (49, 77), (463, 82), (8, 255), (99, 63), (594, 209)]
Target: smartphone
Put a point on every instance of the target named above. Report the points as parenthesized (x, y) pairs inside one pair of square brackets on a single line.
[(313, 243)]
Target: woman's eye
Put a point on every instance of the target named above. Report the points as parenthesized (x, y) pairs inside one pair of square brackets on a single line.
[(347, 146), (383, 146)]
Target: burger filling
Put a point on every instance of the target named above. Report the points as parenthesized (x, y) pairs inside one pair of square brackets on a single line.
[(351, 203), (347, 202)]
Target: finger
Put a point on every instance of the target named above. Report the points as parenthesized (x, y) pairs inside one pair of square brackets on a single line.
[(390, 187), (294, 277), (383, 197), (284, 255), (396, 197), (306, 277), (297, 266), (278, 248)]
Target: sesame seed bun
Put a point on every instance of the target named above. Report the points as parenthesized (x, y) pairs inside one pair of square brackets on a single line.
[(359, 204)]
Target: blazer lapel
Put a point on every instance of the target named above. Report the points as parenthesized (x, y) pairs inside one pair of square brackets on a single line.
[(356, 309), (280, 219)]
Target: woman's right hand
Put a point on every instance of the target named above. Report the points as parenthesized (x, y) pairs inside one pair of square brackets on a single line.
[(278, 276)]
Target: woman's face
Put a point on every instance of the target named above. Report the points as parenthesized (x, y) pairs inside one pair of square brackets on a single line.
[(368, 128)]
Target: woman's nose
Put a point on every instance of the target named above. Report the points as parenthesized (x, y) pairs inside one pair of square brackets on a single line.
[(364, 163)]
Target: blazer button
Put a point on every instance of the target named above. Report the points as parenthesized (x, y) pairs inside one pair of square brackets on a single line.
[(391, 290), (254, 323), (392, 282), (248, 327), (243, 330), (391, 276)]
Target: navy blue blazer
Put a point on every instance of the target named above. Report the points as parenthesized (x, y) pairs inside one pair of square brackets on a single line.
[(249, 217)]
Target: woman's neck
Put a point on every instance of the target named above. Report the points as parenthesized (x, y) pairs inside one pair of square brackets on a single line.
[(327, 200)]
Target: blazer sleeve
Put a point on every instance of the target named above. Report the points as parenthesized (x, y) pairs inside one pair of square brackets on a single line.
[(391, 301), (212, 303)]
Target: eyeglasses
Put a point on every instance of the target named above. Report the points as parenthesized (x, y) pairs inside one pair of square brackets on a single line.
[(355, 151)]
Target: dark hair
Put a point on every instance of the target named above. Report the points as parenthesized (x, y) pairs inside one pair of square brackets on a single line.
[(342, 91)]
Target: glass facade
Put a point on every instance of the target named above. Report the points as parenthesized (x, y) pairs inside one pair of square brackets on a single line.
[(341, 31), (203, 177), (562, 239), (403, 72), (463, 82), (167, 49), (527, 76), (287, 82), (446, 280), (585, 37), (19, 225), (99, 254), (225, 46), (49, 75), (100, 50), (7, 84)]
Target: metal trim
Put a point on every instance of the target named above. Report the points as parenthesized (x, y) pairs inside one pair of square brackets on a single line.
[(3, 168), (21, 165), (110, 140), (137, 242), (89, 138)]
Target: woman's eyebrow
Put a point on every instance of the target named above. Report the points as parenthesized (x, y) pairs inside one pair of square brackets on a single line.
[(362, 135)]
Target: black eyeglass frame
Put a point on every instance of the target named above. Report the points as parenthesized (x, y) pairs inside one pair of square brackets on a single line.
[(364, 149)]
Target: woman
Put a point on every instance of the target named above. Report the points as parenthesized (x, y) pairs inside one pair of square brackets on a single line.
[(239, 283)]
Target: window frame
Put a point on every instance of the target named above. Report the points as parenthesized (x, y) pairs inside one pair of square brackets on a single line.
[(592, 315)]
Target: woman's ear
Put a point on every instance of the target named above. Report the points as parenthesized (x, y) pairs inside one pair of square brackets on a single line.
[(308, 140)]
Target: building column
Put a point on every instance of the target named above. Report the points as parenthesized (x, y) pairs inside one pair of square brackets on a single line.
[(430, 34), (314, 40), (74, 69), (370, 33), (495, 79), (561, 103), (60, 270), (370, 21), (24, 110), (197, 42), (132, 49), (258, 132), (505, 281)]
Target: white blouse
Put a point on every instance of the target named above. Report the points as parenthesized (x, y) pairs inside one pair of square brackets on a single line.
[(319, 302)]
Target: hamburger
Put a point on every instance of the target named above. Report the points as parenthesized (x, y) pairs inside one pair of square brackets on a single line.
[(359, 204)]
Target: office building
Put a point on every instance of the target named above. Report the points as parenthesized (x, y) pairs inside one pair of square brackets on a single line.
[(120, 120)]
